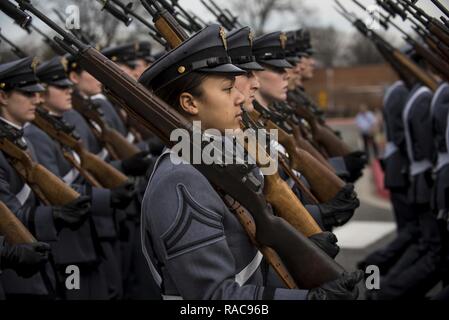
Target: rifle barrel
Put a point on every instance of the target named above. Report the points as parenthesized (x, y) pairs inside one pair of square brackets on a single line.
[(441, 7)]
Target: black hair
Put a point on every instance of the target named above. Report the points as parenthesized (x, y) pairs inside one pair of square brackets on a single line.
[(190, 83)]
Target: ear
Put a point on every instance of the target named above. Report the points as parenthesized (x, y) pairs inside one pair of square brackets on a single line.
[(188, 104), (73, 76), (3, 98)]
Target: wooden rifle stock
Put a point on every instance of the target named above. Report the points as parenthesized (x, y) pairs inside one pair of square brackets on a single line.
[(116, 144), (12, 229), (439, 32), (48, 187), (96, 171), (420, 74)]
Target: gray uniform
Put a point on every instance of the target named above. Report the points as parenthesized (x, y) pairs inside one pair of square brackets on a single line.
[(2, 293), (37, 218), (102, 275), (196, 245)]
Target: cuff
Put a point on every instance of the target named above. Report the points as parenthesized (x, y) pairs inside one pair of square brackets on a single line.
[(44, 225), (315, 212)]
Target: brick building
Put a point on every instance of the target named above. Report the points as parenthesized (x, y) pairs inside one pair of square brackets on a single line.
[(341, 91)]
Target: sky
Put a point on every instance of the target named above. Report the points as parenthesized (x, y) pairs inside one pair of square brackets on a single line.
[(324, 15)]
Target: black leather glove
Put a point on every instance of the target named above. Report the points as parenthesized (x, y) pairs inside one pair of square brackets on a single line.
[(72, 215), (122, 196), (344, 288), (327, 241), (355, 163), (25, 259), (340, 209), (138, 164)]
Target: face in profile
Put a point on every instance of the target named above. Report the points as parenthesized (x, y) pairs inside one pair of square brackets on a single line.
[(273, 84), (19, 107), (58, 99), (218, 106), (86, 83), (248, 85)]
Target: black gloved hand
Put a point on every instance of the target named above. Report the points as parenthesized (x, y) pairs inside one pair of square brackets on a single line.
[(344, 288), (340, 209), (24, 259), (122, 196), (327, 241), (138, 164), (72, 215), (355, 163)]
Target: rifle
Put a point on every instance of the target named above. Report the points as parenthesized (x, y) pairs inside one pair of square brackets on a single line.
[(128, 10), (333, 145), (48, 187), (15, 49), (323, 182), (115, 143), (12, 229), (49, 41), (219, 15), (438, 64), (190, 24), (434, 26), (441, 7), (97, 172), (309, 266), (409, 65), (76, 32), (114, 11), (20, 17)]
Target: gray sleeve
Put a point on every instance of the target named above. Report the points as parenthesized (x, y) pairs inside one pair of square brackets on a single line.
[(338, 163), (315, 212), (39, 218), (187, 229)]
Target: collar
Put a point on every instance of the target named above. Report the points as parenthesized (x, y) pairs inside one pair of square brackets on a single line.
[(15, 126)]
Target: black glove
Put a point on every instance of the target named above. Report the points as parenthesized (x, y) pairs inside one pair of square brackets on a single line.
[(138, 164), (340, 209), (344, 288), (122, 196), (355, 163), (24, 259), (327, 241), (72, 215)]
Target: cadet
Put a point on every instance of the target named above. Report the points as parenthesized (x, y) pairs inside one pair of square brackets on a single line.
[(195, 247), (25, 259), (270, 53), (57, 101), (18, 99)]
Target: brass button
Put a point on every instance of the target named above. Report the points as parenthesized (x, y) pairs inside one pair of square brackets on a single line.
[(181, 69)]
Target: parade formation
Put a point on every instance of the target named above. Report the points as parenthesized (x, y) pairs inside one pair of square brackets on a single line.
[(97, 201)]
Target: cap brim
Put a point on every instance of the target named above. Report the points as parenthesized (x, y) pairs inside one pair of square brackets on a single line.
[(61, 83), (32, 88), (251, 66), (293, 60), (278, 63), (225, 69)]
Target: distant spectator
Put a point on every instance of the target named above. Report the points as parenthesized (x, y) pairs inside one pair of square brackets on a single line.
[(367, 124)]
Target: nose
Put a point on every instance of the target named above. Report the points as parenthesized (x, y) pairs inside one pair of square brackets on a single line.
[(286, 76), (35, 98), (239, 98), (255, 83)]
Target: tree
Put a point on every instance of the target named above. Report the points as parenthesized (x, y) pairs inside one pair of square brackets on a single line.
[(258, 13), (328, 45), (361, 51)]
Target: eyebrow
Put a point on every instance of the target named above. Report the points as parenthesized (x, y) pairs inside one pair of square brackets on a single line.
[(231, 80)]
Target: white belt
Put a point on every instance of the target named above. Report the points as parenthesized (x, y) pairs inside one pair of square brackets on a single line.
[(103, 154), (243, 276), (130, 137), (443, 160), (23, 194), (420, 167), (390, 149)]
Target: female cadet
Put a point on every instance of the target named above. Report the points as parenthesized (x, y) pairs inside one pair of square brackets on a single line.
[(195, 247)]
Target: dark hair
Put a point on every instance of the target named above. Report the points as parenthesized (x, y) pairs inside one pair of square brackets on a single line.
[(190, 83)]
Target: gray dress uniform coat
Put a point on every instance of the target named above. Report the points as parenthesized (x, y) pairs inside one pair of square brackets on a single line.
[(195, 247), (136, 281), (102, 276), (38, 218), (440, 115), (2, 292)]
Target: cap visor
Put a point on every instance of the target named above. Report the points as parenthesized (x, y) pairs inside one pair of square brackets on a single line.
[(278, 63), (61, 83), (224, 68), (32, 88), (293, 60), (251, 66)]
